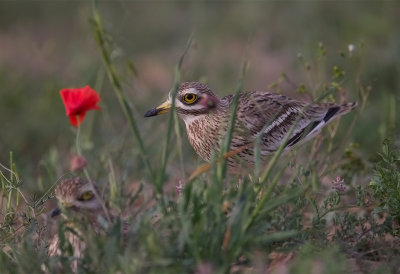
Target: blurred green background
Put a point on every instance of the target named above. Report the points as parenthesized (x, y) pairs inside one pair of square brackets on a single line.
[(46, 46)]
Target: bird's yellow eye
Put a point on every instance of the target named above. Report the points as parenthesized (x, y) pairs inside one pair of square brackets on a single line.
[(86, 196), (189, 98)]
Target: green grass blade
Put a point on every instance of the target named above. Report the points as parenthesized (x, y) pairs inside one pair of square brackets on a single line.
[(231, 127), (100, 37), (165, 152)]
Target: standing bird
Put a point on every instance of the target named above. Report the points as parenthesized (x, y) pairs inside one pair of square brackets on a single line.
[(262, 113), (80, 200)]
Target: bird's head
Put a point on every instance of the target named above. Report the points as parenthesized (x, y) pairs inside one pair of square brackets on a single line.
[(192, 100), (76, 194)]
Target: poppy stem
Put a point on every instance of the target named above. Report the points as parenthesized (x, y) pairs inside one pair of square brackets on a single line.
[(85, 171), (78, 147), (78, 131)]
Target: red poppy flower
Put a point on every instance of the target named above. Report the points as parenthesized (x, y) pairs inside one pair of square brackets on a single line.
[(77, 101)]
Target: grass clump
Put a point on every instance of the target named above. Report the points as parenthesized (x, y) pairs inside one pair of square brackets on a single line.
[(385, 185)]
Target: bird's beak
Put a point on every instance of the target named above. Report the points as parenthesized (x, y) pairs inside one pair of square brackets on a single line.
[(65, 204), (161, 109), (55, 212)]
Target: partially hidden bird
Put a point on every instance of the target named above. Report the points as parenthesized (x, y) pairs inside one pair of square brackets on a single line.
[(80, 200), (269, 116)]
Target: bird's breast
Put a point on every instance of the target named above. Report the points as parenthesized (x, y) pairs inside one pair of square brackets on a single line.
[(204, 135)]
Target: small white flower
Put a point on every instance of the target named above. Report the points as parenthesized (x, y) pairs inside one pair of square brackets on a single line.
[(351, 48)]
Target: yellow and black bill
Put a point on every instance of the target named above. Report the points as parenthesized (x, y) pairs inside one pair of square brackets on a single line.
[(161, 109), (55, 212)]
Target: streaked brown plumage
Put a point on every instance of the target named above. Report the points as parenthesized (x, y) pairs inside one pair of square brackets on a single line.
[(80, 200), (269, 114)]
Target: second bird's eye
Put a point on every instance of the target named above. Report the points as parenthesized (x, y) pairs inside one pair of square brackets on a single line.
[(189, 98), (86, 196)]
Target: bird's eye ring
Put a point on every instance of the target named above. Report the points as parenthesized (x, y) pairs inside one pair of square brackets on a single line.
[(189, 98), (86, 196)]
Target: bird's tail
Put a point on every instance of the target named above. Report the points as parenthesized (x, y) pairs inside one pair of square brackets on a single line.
[(346, 108), (335, 111), (330, 112)]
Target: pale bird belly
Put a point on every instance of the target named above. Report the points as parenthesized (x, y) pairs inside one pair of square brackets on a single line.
[(203, 140), (206, 141)]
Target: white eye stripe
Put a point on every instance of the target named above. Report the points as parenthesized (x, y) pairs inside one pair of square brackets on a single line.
[(86, 188), (179, 104), (190, 90)]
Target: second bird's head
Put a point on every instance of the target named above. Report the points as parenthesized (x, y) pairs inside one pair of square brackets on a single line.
[(192, 100), (76, 195)]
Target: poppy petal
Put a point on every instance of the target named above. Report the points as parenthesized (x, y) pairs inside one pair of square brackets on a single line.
[(78, 101), (73, 120), (77, 119)]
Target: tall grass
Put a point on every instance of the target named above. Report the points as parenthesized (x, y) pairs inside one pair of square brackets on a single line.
[(105, 46)]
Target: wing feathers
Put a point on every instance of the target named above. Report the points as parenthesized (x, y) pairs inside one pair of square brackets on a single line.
[(275, 114), (330, 113)]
